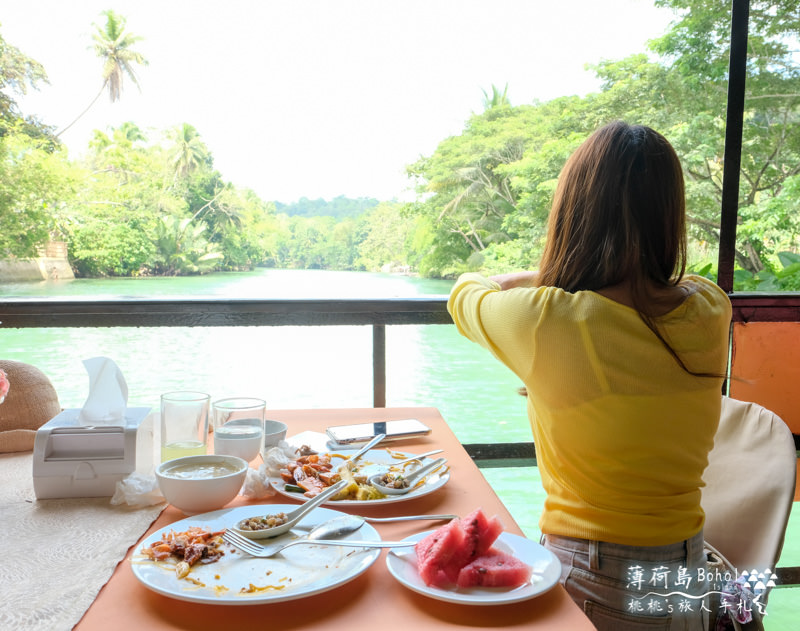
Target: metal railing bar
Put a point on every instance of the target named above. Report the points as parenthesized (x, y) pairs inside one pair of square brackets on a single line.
[(379, 366), (732, 159)]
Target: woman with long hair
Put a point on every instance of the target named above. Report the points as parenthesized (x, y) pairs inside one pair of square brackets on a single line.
[(622, 356)]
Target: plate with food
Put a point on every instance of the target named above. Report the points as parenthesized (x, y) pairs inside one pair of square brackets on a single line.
[(472, 561), (310, 474), (188, 560)]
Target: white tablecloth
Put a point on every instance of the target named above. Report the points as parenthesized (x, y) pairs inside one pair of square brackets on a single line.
[(57, 554)]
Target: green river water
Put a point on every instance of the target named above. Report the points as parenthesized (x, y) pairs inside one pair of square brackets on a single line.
[(291, 367)]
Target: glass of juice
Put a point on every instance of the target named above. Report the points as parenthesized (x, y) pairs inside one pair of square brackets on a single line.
[(238, 424), (184, 424)]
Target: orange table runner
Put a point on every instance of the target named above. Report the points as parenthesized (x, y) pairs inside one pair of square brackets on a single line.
[(374, 599)]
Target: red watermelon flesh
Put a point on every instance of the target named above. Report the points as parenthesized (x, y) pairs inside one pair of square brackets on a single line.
[(494, 569), (480, 533), (436, 550)]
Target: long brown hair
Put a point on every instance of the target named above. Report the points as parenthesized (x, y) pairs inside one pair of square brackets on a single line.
[(618, 213), (618, 216)]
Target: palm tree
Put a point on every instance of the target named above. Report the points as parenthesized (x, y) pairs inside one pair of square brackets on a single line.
[(112, 44), (497, 99), (189, 151)]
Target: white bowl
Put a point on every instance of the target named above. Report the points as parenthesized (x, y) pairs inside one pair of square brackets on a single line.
[(199, 484)]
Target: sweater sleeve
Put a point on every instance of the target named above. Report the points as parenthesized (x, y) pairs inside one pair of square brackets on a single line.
[(500, 321)]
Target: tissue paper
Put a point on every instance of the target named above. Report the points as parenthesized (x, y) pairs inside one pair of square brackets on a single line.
[(257, 484), (108, 394), (138, 490)]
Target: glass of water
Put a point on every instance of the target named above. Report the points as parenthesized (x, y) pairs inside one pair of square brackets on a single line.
[(238, 424)]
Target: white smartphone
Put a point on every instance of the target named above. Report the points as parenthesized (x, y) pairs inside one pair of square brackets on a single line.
[(363, 432)]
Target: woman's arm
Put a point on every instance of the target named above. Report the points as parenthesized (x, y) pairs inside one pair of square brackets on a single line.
[(516, 279)]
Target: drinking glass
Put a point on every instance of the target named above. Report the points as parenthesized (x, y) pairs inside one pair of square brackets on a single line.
[(238, 424), (184, 424)]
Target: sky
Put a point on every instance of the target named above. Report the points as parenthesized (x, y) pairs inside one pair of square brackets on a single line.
[(319, 98)]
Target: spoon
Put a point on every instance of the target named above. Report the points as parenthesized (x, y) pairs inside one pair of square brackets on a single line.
[(378, 438), (291, 518), (331, 529), (413, 458), (412, 479)]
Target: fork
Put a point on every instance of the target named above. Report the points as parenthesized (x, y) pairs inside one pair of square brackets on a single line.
[(264, 552), (410, 518), (413, 458)]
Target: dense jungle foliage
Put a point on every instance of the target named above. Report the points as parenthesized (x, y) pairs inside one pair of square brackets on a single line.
[(138, 204)]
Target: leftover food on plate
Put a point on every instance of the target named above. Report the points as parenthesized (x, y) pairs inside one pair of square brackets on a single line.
[(311, 473), (460, 554), (237, 578), (185, 549), (393, 481)]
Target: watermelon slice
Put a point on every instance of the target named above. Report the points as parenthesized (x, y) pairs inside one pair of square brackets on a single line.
[(480, 533), (443, 553), (494, 569), (436, 550)]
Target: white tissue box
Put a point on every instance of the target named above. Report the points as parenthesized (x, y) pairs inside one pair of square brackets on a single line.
[(75, 460)]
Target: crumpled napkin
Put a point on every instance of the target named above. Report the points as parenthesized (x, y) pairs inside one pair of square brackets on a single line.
[(108, 394), (137, 490), (256, 484)]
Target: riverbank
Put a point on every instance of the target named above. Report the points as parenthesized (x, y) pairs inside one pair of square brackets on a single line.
[(42, 268), (51, 264)]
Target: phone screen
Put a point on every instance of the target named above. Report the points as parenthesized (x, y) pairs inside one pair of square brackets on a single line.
[(362, 432)]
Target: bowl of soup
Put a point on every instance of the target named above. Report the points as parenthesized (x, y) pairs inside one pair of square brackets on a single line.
[(199, 484)]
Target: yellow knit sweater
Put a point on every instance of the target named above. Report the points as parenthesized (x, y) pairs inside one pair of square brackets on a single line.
[(622, 432)]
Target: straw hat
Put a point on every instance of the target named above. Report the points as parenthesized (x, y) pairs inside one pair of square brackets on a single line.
[(31, 402)]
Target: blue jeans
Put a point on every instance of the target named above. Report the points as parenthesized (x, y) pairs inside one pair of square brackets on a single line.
[(632, 588)]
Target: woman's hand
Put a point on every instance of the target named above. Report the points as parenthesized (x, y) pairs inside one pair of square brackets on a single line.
[(516, 279)]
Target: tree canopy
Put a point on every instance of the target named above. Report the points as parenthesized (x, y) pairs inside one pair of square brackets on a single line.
[(489, 189)]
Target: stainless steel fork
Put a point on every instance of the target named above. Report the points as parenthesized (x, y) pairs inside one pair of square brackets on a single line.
[(264, 552), (410, 518)]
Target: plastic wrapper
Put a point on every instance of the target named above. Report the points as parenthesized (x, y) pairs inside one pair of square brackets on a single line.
[(137, 490)]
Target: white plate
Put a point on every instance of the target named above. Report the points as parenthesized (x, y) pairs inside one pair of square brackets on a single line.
[(296, 572), (402, 563), (373, 461)]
